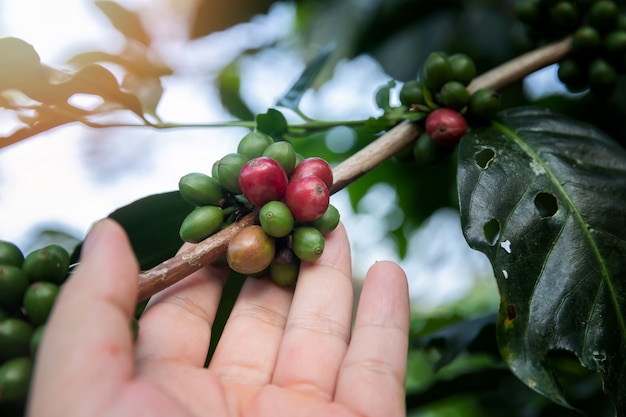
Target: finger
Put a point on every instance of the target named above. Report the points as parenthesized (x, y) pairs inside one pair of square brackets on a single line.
[(176, 324), (372, 376), (88, 340), (247, 350), (318, 326)]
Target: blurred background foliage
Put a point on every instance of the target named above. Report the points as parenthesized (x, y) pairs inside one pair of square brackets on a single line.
[(454, 366)]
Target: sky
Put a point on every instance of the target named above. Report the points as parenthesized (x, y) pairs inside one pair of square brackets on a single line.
[(70, 177)]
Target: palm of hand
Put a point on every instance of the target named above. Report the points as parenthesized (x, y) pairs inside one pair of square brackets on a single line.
[(282, 353)]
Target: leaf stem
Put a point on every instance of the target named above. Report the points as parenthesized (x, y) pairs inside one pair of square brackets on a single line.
[(363, 161)]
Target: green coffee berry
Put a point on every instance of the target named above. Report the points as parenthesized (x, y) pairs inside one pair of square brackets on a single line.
[(253, 144), (453, 95), (283, 153), (412, 93), (603, 15), (602, 77), (214, 170), (565, 14), (38, 301), (427, 152), (45, 265), (201, 223), (62, 254), (15, 337), (463, 68), (586, 41), (573, 74), (436, 71), (307, 243), (15, 378), (285, 266), (13, 285), (528, 11), (10, 254), (299, 158), (328, 222), (276, 219), (200, 189), (228, 171), (484, 104), (615, 47)]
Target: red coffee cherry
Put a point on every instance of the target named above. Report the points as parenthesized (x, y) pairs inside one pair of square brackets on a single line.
[(446, 126), (317, 167), (307, 197), (262, 180)]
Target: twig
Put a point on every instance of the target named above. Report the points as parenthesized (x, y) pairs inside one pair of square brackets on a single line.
[(214, 247)]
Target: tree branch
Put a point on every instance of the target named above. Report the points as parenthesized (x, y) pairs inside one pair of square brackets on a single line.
[(363, 161)]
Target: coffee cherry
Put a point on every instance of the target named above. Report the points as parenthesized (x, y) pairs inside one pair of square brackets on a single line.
[(15, 376), (603, 15), (602, 77), (283, 153), (307, 243), (250, 251), (586, 41), (317, 167), (228, 169), (412, 93), (285, 267), (307, 197), (276, 219), (201, 223), (427, 152), (15, 337), (484, 104), (573, 74), (10, 254), (254, 144), (463, 68), (453, 95), (13, 285), (38, 301), (528, 11), (200, 189), (615, 47), (446, 126), (436, 71), (261, 180), (45, 265), (328, 221), (565, 14)]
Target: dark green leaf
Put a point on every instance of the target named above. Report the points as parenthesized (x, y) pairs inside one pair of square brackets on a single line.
[(272, 123), (292, 98), (152, 224), (124, 20), (544, 197)]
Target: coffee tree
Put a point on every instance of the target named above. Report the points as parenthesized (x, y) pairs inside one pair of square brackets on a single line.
[(540, 185)]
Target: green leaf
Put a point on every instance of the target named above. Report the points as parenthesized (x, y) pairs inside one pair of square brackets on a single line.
[(152, 224), (272, 123), (291, 99), (382, 95), (544, 197), (124, 20), (229, 83)]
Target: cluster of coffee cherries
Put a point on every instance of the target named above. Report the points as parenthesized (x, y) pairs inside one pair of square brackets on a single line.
[(598, 29), (28, 288), (440, 94), (290, 193)]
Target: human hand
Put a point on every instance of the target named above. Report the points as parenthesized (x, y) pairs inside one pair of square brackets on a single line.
[(282, 352)]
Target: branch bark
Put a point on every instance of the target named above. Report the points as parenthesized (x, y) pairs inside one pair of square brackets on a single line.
[(366, 159)]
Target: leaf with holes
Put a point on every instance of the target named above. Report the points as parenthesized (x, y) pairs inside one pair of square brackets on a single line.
[(544, 197)]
